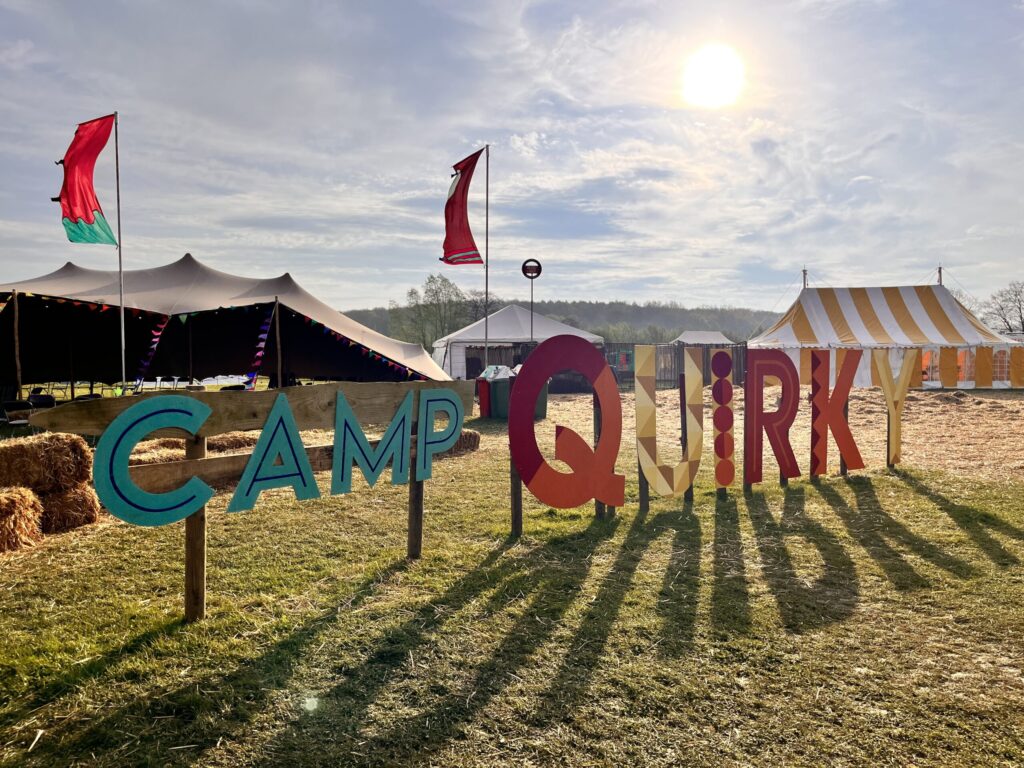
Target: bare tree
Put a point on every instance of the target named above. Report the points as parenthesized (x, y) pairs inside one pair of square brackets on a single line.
[(971, 304), (1004, 311), (435, 311)]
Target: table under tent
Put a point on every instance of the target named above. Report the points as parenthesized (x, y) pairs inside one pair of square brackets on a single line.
[(186, 321), (957, 349)]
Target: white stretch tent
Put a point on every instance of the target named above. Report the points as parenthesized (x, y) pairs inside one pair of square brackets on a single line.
[(506, 327), (957, 349)]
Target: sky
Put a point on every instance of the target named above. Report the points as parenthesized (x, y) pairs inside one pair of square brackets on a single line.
[(873, 141)]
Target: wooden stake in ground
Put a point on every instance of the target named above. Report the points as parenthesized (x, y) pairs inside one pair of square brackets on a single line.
[(195, 546), (516, 492), (600, 510), (414, 548)]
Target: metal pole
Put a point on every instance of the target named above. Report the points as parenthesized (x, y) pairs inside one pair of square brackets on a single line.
[(531, 311), (120, 261), (487, 250), (17, 345), (277, 336)]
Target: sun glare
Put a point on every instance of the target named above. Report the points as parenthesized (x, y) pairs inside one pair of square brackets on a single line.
[(714, 77)]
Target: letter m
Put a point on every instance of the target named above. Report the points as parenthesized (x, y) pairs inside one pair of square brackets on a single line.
[(351, 445)]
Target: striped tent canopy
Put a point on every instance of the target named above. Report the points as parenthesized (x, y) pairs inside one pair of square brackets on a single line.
[(957, 349)]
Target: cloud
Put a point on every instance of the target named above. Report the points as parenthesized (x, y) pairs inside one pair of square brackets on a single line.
[(874, 141)]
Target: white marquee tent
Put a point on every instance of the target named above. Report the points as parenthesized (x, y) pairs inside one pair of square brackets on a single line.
[(508, 328)]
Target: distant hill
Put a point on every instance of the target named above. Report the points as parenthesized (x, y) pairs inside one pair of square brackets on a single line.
[(620, 320)]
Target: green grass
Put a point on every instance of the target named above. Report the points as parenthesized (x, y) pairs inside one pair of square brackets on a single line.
[(878, 620)]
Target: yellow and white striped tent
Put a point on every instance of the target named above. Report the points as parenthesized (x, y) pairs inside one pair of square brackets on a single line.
[(957, 349)]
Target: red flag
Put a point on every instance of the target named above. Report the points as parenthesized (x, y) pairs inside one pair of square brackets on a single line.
[(80, 210), (459, 246)]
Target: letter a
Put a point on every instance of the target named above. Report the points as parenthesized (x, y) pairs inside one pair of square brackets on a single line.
[(277, 461)]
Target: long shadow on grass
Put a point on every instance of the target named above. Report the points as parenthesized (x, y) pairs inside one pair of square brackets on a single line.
[(976, 523), (730, 593), (802, 607), (677, 605), (201, 712), (80, 673), (538, 588), (877, 531)]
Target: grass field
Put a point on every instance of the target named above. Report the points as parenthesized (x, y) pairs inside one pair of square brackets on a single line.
[(872, 621)]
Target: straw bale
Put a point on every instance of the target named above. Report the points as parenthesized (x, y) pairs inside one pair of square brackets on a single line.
[(69, 509), (20, 512), (468, 442), (45, 463)]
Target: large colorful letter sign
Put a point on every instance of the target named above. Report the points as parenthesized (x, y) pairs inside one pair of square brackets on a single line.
[(429, 442), (895, 391), (827, 412), (762, 363), (278, 460), (722, 418), (664, 479), (593, 475), (110, 475), (350, 444)]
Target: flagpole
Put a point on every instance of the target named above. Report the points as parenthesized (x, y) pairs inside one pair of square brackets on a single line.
[(120, 262), (487, 251)]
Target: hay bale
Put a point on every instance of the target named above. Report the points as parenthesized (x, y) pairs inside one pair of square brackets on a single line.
[(20, 513), (46, 463), (68, 509), (468, 442)]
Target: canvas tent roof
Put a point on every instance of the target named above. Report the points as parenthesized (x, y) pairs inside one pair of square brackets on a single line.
[(895, 317), (703, 337), (512, 325), (188, 286)]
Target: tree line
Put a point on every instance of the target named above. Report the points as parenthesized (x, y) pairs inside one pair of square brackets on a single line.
[(440, 307)]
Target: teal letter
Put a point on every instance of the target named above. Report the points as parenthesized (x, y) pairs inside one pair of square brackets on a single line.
[(110, 475), (350, 445), (429, 442), (279, 442)]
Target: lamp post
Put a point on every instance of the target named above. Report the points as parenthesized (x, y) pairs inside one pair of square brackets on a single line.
[(531, 271)]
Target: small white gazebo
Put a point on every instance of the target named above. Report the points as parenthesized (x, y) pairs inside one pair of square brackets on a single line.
[(508, 332)]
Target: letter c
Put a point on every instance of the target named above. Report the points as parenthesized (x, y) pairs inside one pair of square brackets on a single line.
[(110, 475)]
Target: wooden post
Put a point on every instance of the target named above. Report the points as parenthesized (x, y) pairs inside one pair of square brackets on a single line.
[(599, 507), (414, 547), (645, 490), (888, 438), (277, 335), (17, 346), (195, 547), (516, 491), (680, 366), (843, 469)]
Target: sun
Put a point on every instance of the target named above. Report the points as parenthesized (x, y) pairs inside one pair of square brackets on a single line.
[(714, 77)]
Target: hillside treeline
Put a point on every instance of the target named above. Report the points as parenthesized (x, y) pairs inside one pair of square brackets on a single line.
[(439, 307)]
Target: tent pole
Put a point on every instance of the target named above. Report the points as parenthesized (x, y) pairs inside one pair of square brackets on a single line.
[(120, 262), (277, 336), (487, 251), (188, 321), (17, 347)]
